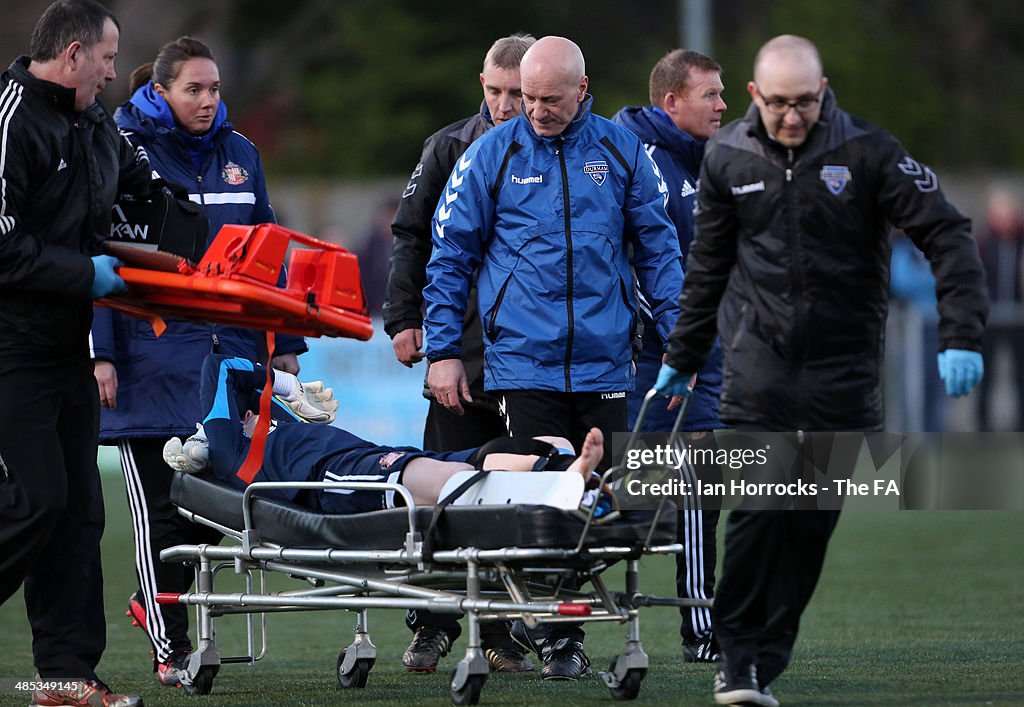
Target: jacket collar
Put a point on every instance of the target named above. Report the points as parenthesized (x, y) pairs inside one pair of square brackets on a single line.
[(60, 97), (485, 113), (153, 106), (654, 127), (572, 129)]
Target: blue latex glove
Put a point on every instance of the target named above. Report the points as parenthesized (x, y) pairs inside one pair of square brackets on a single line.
[(105, 281), (960, 370), (672, 382)]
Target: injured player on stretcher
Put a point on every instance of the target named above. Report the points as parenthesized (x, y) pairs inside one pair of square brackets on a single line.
[(297, 451)]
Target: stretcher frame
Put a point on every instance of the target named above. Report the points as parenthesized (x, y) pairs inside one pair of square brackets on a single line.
[(499, 584)]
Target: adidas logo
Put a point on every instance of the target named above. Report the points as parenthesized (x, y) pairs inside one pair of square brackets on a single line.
[(62, 165), (687, 189)]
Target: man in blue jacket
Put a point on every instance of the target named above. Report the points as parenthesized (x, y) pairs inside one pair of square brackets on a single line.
[(554, 208), (686, 109)]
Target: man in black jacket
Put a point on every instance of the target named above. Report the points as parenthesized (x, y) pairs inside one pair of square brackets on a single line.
[(62, 164), (446, 431), (791, 266)]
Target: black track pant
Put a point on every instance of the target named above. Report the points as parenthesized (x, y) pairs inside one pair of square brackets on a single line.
[(156, 525), (772, 563), (51, 513), (445, 431), (697, 530), (773, 558)]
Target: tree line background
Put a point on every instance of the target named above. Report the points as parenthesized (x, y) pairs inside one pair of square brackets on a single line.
[(350, 88)]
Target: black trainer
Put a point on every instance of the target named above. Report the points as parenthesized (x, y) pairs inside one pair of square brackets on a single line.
[(563, 657), (700, 652), (429, 645), (731, 688), (504, 654)]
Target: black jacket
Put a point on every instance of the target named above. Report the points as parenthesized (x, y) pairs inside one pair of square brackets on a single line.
[(791, 265), (403, 303), (61, 171)]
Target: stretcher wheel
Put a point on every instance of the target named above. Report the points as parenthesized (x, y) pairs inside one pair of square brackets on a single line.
[(359, 674), (202, 683), (469, 694), (629, 686)]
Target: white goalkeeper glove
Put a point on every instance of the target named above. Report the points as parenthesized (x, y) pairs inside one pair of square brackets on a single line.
[(312, 402), (191, 457)]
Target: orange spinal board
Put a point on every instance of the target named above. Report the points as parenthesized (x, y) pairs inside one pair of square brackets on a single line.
[(235, 283)]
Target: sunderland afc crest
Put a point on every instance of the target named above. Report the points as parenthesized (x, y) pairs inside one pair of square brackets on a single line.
[(836, 177), (598, 170), (234, 174)]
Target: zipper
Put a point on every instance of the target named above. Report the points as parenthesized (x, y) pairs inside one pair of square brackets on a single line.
[(570, 314), (800, 333), (796, 270), (497, 306)]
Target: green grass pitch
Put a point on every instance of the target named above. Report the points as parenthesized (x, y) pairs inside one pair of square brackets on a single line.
[(922, 607)]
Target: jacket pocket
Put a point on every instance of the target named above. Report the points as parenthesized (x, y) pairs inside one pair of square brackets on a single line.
[(492, 319), (636, 326)]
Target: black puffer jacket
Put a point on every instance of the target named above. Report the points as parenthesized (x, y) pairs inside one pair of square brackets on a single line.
[(61, 171), (791, 265), (403, 304)]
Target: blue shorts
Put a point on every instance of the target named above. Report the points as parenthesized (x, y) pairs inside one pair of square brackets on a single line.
[(383, 464)]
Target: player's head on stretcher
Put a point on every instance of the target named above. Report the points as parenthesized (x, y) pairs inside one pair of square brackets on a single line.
[(321, 452)]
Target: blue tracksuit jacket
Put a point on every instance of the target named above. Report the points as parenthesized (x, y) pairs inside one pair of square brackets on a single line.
[(554, 224)]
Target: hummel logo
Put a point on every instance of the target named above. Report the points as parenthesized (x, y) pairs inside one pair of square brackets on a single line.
[(539, 179), (687, 189), (613, 396), (62, 165)]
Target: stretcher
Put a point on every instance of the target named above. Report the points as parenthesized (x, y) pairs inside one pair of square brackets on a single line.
[(236, 280), (492, 559)]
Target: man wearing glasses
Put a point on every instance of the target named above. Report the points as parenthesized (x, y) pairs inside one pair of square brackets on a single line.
[(790, 265)]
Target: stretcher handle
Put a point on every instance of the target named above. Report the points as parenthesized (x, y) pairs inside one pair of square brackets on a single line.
[(631, 442), (651, 394)]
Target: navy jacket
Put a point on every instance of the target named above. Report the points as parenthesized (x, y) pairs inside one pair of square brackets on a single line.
[(554, 224), (158, 378), (678, 156)]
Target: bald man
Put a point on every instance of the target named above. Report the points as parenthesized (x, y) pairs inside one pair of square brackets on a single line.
[(791, 260), (553, 210)]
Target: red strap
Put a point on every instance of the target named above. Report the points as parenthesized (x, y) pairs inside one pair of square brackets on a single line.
[(254, 460)]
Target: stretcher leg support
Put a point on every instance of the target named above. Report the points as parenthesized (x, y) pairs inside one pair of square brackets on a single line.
[(471, 672), (629, 667), (356, 660)]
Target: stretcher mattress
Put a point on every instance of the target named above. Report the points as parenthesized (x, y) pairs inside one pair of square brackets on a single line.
[(482, 527)]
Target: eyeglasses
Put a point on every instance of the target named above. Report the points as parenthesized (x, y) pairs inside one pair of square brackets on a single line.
[(781, 107)]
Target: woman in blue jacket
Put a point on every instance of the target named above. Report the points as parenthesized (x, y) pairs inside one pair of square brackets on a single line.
[(149, 386)]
